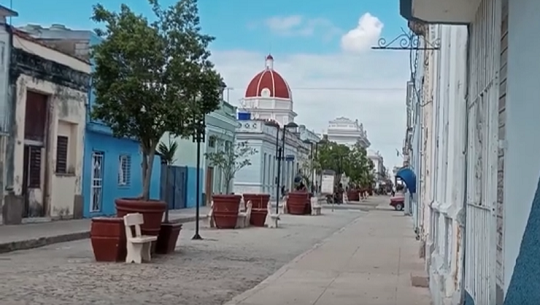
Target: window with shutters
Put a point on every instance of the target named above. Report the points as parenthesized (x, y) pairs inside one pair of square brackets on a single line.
[(34, 168), (62, 155), (124, 170)]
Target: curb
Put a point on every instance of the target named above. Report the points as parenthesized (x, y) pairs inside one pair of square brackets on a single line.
[(50, 240), (237, 300)]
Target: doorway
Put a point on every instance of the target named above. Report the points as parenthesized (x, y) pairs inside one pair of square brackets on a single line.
[(32, 180)]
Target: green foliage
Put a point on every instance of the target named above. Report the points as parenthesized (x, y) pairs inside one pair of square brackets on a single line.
[(353, 161), (168, 151), (231, 159), (153, 77)]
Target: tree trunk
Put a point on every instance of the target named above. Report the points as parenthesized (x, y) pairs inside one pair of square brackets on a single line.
[(147, 166), (227, 186), (167, 193)]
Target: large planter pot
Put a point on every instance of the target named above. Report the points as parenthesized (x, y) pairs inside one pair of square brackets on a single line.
[(307, 208), (296, 203), (225, 211), (168, 236), (258, 201), (258, 217), (353, 195), (152, 211), (108, 239), (259, 208)]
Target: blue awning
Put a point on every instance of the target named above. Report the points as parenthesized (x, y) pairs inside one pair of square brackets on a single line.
[(407, 175)]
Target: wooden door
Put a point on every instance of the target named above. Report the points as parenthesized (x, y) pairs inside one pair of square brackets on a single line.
[(209, 184)]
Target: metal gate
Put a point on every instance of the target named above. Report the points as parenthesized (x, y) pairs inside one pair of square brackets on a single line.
[(97, 182), (484, 39)]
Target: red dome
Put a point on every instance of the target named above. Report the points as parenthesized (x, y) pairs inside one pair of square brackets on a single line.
[(268, 79)]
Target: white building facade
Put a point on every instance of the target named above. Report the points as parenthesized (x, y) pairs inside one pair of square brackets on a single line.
[(345, 131), (488, 71), (378, 166), (268, 98)]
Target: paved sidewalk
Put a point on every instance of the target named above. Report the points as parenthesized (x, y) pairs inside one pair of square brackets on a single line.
[(369, 262), (34, 235)]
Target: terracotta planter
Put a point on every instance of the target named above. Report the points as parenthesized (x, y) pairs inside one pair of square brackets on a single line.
[(225, 211), (108, 238), (296, 203), (307, 209), (353, 195), (259, 208), (152, 211), (258, 201), (168, 236), (258, 217)]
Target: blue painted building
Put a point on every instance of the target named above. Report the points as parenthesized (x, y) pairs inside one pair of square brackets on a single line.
[(111, 165)]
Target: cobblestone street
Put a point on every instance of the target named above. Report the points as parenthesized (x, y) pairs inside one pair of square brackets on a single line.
[(210, 272)]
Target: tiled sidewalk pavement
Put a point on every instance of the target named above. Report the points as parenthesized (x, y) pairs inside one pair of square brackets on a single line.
[(33, 235), (369, 262)]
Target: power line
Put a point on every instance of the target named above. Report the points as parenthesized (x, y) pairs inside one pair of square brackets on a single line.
[(349, 89), (340, 88)]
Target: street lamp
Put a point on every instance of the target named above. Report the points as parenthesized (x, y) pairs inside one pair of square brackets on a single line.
[(198, 137), (280, 153)]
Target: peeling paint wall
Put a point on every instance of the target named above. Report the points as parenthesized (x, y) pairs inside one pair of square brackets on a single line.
[(448, 172), (66, 117)]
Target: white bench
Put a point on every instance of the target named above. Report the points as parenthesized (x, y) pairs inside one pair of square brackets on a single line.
[(284, 209), (315, 206), (244, 217), (272, 219), (211, 222), (138, 246)]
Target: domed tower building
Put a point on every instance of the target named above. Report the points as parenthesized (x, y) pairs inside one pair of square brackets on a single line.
[(268, 97)]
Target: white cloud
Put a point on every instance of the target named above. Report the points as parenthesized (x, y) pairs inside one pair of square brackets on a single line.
[(382, 112), (364, 35), (296, 25)]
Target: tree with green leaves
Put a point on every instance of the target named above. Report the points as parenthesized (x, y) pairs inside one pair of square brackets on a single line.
[(231, 159), (352, 161), (310, 165), (360, 169), (153, 77)]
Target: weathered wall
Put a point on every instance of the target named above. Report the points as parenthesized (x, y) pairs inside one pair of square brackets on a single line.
[(449, 169), (501, 152), (66, 117), (64, 80)]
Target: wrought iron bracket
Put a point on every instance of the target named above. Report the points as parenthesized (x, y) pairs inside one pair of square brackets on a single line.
[(407, 41)]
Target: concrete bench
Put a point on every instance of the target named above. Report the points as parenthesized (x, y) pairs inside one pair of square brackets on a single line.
[(138, 245), (284, 209), (272, 219), (315, 206), (244, 216), (211, 222)]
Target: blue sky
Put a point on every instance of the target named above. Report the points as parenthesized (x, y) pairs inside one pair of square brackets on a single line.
[(316, 44), (237, 24)]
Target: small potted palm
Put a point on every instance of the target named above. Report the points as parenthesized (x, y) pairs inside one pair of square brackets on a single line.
[(169, 232), (230, 159)]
